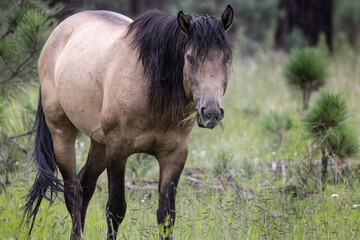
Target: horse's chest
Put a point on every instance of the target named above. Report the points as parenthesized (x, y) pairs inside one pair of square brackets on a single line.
[(155, 143)]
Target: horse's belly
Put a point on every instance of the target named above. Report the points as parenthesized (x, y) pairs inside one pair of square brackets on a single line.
[(80, 95), (84, 110)]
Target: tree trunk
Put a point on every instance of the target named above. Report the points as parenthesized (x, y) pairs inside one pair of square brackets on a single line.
[(137, 7), (306, 94), (310, 16), (324, 164)]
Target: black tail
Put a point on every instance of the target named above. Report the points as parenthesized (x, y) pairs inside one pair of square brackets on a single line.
[(45, 161)]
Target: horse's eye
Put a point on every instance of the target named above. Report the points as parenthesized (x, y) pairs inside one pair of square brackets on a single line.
[(190, 59)]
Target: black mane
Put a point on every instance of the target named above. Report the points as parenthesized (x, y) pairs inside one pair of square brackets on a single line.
[(161, 46)]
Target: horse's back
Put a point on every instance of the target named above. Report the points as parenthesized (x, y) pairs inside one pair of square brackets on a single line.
[(72, 68)]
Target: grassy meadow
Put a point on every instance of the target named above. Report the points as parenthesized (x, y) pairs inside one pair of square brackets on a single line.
[(239, 181)]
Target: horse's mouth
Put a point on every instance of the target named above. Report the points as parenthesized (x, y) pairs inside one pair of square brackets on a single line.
[(210, 123)]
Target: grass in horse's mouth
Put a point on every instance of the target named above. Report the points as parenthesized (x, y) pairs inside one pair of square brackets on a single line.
[(193, 115), (189, 116)]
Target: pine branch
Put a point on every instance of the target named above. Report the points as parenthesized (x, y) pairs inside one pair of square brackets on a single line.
[(19, 67), (12, 139), (20, 135), (24, 150), (3, 155)]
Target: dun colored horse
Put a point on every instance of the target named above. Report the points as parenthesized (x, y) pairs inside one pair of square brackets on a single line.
[(127, 85)]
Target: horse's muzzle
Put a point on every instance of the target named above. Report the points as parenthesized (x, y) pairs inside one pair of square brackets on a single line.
[(209, 117)]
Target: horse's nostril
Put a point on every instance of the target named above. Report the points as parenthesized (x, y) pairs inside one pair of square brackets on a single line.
[(221, 111), (202, 111), (216, 114)]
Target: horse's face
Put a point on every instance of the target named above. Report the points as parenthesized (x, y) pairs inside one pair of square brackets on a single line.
[(206, 73), (205, 82)]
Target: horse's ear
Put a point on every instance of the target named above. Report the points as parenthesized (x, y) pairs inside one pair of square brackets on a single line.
[(184, 22), (227, 17)]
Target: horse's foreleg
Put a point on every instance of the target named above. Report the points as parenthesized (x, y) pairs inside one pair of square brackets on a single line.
[(171, 167), (116, 205), (89, 174), (64, 136)]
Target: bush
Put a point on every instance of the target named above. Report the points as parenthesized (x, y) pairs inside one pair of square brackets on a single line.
[(15, 143), (326, 123), (307, 70), (223, 165), (277, 123)]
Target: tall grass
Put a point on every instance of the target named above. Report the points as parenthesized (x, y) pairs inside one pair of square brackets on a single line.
[(202, 213), (257, 200)]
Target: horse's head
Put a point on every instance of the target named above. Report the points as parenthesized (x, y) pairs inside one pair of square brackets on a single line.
[(207, 59)]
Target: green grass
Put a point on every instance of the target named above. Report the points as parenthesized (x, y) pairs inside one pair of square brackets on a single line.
[(246, 201), (202, 213)]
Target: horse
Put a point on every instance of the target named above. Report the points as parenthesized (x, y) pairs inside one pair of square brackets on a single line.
[(128, 85)]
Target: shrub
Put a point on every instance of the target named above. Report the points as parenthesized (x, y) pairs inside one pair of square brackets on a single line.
[(277, 123), (247, 168), (141, 167), (326, 123), (307, 69), (223, 165), (15, 143)]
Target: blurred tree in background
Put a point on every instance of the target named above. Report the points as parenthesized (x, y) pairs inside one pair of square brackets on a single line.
[(253, 24), (309, 17), (347, 20), (258, 24)]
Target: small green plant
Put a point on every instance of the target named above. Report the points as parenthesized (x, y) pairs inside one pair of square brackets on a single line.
[(223, 165), (247, 168), (277, 123), (326, 123), (307, 70), (322, 45), (140, 168)]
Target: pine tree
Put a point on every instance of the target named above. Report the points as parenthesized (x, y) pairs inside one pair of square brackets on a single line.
[(326, 122), (24, 27), (307, 70)]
